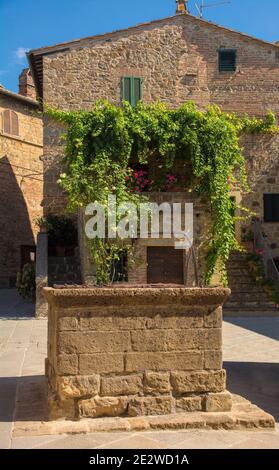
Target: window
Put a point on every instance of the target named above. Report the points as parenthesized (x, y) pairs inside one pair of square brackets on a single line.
[(10, 122), (132, 89), (227, 60), (271, 207)]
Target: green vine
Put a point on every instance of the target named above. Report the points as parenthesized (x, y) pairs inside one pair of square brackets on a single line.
[(104, 144)]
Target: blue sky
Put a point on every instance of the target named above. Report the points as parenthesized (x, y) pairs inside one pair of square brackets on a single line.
[(28, 24)]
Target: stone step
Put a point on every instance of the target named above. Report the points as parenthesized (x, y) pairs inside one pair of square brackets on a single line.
[(250, 305), (239, 272), (237, 257), (249, 297), (247, 289), (236, 264), (237, 281), (241, 279), (230, 312)]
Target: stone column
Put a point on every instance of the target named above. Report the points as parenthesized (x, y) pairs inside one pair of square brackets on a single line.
[(87, 268), (41, 274)]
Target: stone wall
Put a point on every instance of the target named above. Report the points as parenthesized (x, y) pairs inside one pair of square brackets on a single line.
[(21, 185), (177, 58), (262, 156), (135, 351)]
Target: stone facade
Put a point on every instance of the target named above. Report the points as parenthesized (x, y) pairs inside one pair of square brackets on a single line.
[(262, 156), (136, 351), (138, 267), (177, 58), (21, 185)]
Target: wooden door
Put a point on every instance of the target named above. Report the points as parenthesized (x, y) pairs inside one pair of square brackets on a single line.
[(165, 265)]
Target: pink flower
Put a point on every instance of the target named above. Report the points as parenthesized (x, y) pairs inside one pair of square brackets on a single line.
[(171, 178)]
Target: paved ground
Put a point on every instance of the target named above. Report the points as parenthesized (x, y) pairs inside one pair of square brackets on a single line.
[(251, 355)]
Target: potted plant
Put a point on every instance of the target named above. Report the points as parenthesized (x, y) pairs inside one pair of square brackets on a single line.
[(26, 282)]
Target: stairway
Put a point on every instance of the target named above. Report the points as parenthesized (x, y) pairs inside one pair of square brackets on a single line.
[(247, 299)]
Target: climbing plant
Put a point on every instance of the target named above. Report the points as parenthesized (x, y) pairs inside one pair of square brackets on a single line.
[(105, 144)]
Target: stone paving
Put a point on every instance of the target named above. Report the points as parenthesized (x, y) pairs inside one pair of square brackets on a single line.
[(251, 356)]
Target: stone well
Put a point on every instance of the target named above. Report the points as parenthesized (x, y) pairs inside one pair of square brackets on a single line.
[(135, 351)]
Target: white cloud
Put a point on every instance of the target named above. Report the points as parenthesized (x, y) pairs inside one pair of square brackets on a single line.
[(20, 52)]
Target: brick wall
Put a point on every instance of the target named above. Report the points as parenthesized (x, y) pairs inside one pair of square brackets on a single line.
[(21, 186), (113, 352)]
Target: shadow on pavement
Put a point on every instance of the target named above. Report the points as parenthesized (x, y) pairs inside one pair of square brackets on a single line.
[(23, 398), (268, 326), (257, 382), (13, 307)]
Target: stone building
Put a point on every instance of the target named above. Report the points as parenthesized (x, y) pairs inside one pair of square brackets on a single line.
[(21, 177), (173, 60)]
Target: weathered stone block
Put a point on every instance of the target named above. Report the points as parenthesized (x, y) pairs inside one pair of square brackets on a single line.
[(201, 381), (101, 363), (68, 324), (78, 386), (61, 409), (126, 321), (154, 340), (96, 323), (67, 364), (123, 385), (177, 318), (163, 361), (187, 404), (156, 383), (112, 320), (102, 406), (94, 342), (150, 406), (213, 360), (213, 318), (178, 340), (218, 402)]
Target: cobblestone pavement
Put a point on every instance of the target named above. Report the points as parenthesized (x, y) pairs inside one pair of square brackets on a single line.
[(251, 356)]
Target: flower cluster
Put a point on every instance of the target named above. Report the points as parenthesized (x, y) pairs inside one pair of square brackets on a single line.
[(171, 180), (140, 181)]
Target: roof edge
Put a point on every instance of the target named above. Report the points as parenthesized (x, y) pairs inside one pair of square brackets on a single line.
[(58, 46), (35, 56), (25, 99)]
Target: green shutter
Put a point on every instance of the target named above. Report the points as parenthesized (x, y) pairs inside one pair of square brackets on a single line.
[(131, 89), (126, 89), (137, 90)]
